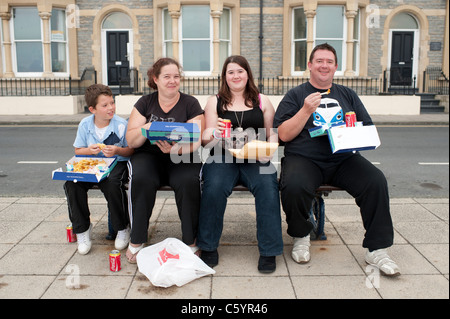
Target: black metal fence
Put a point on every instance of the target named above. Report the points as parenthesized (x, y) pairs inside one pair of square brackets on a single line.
[(434, 81), (48, 86), (272, 86)]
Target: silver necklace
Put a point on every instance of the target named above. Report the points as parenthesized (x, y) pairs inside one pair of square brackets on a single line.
[(239, 128)]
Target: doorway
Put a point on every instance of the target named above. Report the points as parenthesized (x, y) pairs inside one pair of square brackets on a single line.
[(402, 55), (404, 50), (117, 63), (117, 48)]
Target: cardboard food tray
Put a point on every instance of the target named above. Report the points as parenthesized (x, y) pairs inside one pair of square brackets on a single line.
[(323, 129), (172, 132), (348, 139), (254, 150), (63, 175)]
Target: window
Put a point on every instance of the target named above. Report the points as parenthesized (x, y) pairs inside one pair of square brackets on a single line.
[(330, 23), (404, 20), (224, 35), (117, 20), (28, 45), (58, 40), (167, 34), (195, 33), (196, 39), (299, 40), (27, 39), (356, 43)]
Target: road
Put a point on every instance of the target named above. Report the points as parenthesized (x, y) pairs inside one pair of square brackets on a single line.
[(414, 160)]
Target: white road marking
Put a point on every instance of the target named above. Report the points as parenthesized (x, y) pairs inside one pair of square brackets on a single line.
[(433, 163), (37, 162)]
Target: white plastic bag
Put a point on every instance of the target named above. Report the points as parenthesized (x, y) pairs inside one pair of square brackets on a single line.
[(171, 262)]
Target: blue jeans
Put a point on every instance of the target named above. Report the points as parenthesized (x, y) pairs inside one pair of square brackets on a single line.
[(219, 178)]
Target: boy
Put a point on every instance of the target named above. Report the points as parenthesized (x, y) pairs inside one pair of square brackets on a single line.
[(102, 134)]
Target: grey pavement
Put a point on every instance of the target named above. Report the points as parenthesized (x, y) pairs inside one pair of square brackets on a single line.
[(37, 262)]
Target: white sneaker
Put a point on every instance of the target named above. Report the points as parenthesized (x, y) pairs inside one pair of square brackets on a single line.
[(122, 239), (300, 250), (84, 241), (380, 259)]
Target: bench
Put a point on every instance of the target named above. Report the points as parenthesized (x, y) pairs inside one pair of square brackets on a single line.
[(317, 212)]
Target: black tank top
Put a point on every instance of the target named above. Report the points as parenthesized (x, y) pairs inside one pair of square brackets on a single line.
[(251, 118)]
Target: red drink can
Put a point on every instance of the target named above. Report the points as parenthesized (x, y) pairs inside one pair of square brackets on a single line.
[(350, 119), (114, 260), (227, 131), (70, 235)]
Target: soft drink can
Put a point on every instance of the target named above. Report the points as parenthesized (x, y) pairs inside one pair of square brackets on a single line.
[(227, 131), (350, 119), (71, 236), (114, 260)]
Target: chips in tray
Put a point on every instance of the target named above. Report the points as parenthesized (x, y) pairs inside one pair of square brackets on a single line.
[(87, 165), (85, 169)]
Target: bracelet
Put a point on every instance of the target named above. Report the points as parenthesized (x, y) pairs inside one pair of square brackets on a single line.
[(214, 135)]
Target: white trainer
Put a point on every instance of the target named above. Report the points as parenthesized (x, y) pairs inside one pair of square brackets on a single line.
[(122, 239), (84, 241), (379, 258), (300, 250)]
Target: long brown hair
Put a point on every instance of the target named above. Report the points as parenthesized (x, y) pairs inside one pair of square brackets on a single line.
[(251, 91)]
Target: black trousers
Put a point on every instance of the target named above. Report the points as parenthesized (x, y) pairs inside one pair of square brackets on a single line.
[(113, 188), (300, 177), (150, 171)]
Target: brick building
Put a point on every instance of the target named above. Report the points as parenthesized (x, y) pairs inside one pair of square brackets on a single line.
[(61, 38)]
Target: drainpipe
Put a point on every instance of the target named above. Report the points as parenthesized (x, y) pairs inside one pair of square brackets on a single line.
[(261, 37)]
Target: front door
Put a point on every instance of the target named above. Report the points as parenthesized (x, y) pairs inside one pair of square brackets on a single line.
[(118, 66), (402, 58)]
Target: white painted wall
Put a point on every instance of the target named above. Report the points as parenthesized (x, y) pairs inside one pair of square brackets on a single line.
[(68, 105), (375, 104)]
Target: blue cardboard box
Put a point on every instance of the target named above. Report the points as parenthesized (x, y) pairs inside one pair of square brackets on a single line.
[(172, 132), (94, 176)]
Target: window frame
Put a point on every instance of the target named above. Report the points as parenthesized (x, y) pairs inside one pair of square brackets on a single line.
[(343, 60), (65, 41), (164, 41), (230, 32), (293, 41), (357, 44), (210, 40), (15, 68)]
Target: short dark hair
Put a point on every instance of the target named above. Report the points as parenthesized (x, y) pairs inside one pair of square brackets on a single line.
[(155, 70), (94, 91), (323, 46)]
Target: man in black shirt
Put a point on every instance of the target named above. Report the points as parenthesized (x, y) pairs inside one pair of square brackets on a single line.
[(309, 162)]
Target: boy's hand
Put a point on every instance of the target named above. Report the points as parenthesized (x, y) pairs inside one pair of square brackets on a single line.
[(94, 149), (110, 150)]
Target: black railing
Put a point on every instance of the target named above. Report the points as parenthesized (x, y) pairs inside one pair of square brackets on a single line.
[(272, 86), (408, 85), (434, 81), (48, 86)]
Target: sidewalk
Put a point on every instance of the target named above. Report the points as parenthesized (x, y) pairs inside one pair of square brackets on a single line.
[(37, 262), (422, 119)]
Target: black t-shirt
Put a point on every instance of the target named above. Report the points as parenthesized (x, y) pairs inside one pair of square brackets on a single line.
[(318, 148), (186, 109)]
